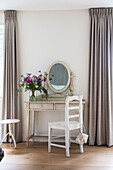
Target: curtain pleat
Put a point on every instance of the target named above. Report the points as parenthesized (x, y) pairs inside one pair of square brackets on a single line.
[(101, 77), (11, 100)]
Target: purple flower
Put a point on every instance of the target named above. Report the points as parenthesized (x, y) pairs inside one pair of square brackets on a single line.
[(39, 71), (46, 74), (27, 80), (52, 75), (22, 76)]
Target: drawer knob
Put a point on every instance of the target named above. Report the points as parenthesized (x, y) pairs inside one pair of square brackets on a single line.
[(40, 106)]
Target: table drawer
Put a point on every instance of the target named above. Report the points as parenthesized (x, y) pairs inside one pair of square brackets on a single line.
[(60, 106), (41, 106)]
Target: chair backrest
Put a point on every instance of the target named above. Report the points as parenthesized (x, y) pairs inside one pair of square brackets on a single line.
[(78, 106)]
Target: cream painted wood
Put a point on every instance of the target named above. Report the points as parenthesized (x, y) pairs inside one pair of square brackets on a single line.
[(34, 107), (71, 87), (28, 122), (52, 97), (33, 124), (42, 106), (10, 122), (60, 106), (68, 125)]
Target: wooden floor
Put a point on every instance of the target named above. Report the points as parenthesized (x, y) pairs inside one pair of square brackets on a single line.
[(36, 157)]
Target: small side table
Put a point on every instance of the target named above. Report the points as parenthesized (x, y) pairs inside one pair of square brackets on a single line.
[(10, 122)]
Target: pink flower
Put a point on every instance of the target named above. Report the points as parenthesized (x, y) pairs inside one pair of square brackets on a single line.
[(40, 76), (42, 79), (27, 80)]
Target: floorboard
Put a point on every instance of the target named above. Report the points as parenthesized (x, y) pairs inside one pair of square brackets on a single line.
[(36, 157)]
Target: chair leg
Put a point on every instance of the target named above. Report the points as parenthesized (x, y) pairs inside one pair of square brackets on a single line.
[(67, 143), (69, 139), (11, 134), (4, 138), (81, 146), (49, 138), (81, 149), (14, 140)]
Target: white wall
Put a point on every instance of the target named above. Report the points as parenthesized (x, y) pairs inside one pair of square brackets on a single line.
[(47, 36)]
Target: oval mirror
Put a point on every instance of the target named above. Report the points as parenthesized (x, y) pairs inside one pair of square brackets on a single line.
[(58, 77)]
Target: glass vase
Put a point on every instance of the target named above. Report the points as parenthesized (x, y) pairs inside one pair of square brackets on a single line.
[(33, 96)]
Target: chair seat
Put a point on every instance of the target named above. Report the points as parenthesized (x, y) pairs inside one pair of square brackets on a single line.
[(61, 125), (9, 121)]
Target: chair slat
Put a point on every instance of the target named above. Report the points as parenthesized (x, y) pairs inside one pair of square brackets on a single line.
[(71, 98), (73, 116), (55, 137), (74, 108), (73, 141), (61, 146)]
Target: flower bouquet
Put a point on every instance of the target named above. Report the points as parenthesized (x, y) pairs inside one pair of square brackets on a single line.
[(33, 83)]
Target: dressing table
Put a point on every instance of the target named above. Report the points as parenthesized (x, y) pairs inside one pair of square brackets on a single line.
[(59, 80)]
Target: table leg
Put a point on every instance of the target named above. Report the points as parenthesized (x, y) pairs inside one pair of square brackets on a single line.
[(28, 122), (33, 124)]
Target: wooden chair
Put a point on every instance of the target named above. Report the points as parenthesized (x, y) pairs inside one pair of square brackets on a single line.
[(68, 125)]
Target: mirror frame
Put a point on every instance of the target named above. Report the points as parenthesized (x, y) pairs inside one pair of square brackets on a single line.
[(48, 81)]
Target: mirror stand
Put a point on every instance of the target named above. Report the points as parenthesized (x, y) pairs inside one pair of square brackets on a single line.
[(60, 84), (71, 87)]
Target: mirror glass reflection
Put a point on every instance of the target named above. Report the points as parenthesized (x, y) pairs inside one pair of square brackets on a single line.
[(59, 75)]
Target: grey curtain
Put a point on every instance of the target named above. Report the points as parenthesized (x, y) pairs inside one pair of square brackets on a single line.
[(101, 77), (11, 101)]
